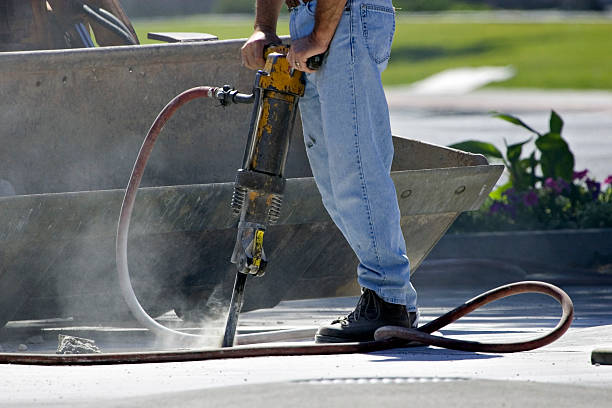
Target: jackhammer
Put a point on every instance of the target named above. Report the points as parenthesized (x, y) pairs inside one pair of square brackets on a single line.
[(259, 183)]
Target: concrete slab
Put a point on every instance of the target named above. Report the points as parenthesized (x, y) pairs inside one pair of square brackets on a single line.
[(372, 392)]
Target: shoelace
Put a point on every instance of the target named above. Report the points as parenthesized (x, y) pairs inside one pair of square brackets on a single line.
[(366, 301)]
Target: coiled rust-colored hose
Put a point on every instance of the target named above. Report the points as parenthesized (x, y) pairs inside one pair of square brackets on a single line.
[(382, 343), (423, 334)]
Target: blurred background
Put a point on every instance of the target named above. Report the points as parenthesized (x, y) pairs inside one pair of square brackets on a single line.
[(550, 43), (164, 8)]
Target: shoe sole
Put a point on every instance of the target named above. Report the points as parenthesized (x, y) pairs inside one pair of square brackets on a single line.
[(320, 339), (331, 339)]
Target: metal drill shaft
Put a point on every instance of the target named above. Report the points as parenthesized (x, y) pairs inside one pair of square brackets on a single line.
[(234, 310)]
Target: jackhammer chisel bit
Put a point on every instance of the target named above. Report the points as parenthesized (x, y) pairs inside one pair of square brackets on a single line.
[(260, 183)]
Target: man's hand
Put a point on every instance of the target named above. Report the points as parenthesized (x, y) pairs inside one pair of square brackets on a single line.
[(327, 17), (253, 50), (303, 49)]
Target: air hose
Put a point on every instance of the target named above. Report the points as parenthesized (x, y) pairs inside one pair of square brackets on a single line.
[(404, 338), (225, 95), (128, 206), (108, 20), (385, 338)]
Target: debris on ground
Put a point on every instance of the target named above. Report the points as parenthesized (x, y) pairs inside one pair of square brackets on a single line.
[(76, 345), (22, 347)]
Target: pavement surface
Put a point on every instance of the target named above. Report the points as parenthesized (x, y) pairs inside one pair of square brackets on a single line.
[(558, 375), (447, 118)]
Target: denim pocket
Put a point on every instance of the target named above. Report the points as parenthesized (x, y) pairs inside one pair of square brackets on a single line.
[(311, 7), (378, 27)]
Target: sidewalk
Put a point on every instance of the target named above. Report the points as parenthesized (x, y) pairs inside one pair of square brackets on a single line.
[(559, 375), (447, 119), (499, 99)]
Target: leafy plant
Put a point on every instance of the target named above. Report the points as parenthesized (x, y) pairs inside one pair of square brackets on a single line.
[(544, 191), (553, 158)]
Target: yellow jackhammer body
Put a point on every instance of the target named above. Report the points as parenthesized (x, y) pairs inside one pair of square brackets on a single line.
[(260, 183)]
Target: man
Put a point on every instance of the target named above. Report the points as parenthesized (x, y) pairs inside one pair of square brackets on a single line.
[(349, 145)]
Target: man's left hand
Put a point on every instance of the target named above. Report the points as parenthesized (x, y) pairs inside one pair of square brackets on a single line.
[(301, 50)]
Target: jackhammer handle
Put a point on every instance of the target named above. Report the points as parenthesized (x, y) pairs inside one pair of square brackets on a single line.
[(314, 63)]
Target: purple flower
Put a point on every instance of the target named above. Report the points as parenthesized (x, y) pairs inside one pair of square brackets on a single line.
[(551, 183), (496, 207), (579, 175), (512, 195), (557, 185), (530, 199), (608, 180), (594, 187), (564, 185)]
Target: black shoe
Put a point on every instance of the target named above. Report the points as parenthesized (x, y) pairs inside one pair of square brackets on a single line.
[(370, 314)]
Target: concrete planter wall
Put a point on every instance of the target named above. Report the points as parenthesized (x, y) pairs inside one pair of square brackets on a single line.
[(562, 256)]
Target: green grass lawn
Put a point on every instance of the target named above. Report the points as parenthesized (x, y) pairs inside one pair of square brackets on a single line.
[(575, 55)]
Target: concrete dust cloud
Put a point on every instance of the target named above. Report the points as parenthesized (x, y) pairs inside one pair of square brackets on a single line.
[(210, 327)]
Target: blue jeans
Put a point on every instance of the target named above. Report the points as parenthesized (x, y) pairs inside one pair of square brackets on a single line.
[(349, 145)]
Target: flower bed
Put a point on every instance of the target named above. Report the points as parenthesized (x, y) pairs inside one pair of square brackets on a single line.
[(556, 204), (544, 191)]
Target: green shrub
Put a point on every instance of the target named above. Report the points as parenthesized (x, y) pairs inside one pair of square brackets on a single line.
[(543, 192)]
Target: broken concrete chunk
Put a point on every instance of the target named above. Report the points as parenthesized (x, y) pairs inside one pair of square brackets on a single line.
[(22, 347), (76, 345)]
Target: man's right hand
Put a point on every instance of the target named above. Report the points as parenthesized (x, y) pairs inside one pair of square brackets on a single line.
[(253, 50)]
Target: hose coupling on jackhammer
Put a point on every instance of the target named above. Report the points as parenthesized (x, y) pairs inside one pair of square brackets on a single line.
[(228, 95)]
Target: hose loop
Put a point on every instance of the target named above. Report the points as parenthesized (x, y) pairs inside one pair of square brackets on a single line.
[(127, 208), (423, 334)]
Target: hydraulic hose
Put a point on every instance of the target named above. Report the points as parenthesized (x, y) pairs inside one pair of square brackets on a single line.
[(110, 25), (127, 208), (423, 334), (113, 19), (226, 95), (382, 341)]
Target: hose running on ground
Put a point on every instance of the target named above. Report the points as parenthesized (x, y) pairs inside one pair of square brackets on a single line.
[(383, 343)]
